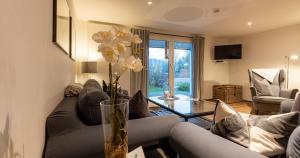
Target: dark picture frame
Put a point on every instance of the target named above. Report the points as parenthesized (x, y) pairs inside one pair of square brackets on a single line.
[(62, 26)]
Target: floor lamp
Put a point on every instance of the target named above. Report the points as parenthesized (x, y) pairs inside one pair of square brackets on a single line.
[(288, 58)]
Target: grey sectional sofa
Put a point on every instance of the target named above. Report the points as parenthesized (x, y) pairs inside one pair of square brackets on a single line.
[(68, 137)]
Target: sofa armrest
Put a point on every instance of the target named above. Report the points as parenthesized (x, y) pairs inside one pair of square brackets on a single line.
[(253, 91), (288, 93), (149, 129), (88, 142), (191, 141), (286, 106)]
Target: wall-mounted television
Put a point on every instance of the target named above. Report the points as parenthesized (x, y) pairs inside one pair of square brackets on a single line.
[(228, 52)]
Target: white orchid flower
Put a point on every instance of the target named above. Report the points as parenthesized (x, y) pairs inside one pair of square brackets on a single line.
[(136, 39), (124, 35), (134, 64), (121, 48), (108, 52), (119, 67), (103, 37)]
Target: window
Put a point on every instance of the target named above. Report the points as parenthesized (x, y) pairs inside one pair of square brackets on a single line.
[(170, 66)]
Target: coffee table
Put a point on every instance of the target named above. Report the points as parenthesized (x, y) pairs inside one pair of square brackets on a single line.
[(185, 107)]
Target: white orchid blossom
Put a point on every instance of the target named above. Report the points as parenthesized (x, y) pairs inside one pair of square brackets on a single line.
[(134, 64), (103, 37), (112, 46), (136, 39)]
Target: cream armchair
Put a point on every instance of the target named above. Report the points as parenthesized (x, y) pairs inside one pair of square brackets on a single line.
[(267, 92)]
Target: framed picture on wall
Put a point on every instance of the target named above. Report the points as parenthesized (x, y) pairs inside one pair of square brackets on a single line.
[(73, 40), (62, 25)]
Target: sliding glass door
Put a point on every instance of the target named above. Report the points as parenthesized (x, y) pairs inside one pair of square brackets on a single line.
[(170, 67)]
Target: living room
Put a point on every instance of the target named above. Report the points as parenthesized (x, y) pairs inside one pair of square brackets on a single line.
[(36, 70)]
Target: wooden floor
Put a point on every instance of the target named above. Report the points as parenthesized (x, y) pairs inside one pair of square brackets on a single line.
[(243, 107)]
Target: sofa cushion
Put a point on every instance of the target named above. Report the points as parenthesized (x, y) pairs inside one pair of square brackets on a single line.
[(293, 148), (269, 134), (89, 105), (138, 106), (263, 87), (229, 124), (268, 99), (92, 83)]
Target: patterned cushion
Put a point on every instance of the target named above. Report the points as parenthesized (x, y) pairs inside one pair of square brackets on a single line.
[(229, 124), (73, 90)]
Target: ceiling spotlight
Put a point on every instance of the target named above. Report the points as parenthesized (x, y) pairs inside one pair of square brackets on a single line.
[(149, 2), (249, 23)]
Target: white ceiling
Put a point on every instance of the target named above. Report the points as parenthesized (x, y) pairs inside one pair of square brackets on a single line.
[(194, 16)]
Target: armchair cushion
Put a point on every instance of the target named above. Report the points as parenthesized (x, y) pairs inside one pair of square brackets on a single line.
[(263, 87), (268, 99)]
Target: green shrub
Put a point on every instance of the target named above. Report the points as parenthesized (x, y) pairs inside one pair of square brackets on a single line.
[(184, 86)]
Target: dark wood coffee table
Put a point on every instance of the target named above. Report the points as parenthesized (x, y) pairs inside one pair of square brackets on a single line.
[(185, 107)]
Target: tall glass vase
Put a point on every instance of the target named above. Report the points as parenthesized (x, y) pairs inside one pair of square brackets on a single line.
[(114, 121)]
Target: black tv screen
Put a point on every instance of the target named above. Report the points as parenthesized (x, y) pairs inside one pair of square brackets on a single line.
[(228, 52)]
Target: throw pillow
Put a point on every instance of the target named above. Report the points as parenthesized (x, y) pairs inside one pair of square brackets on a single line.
[(104, 86), (269, 134), (121, 93), (229, 124), (263, 87), (73, 90), (138, 106), (89, 105), (92, 83)]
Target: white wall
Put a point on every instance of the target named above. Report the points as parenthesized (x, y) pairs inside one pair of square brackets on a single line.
[(266, 50), (33, 74), (214, 73)]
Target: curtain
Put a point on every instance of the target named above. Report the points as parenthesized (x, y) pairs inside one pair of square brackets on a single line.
[(138, 81), (198, 63)]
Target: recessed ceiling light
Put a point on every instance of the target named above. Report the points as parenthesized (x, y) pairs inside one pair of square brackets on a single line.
[(294, 57), (149, 2), (249, 23)]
